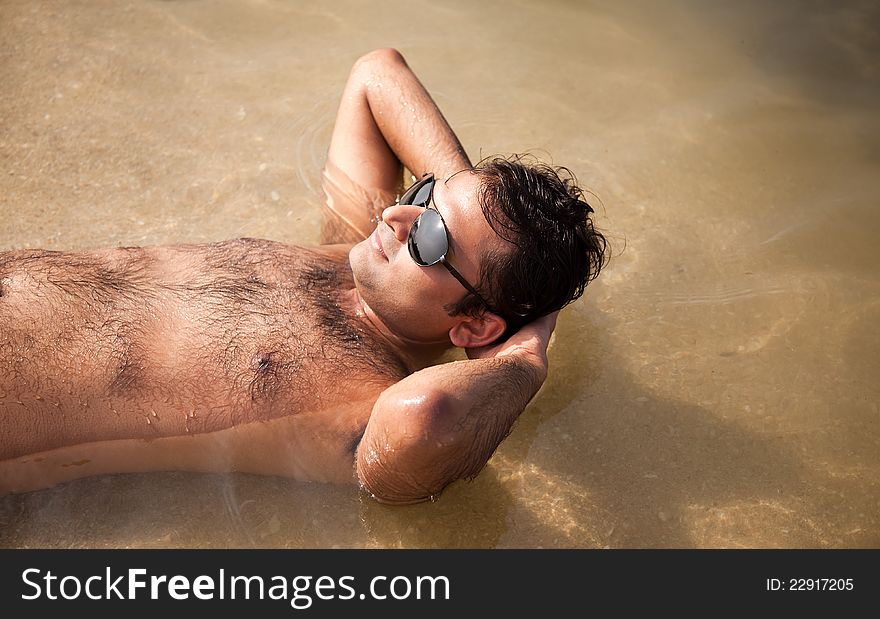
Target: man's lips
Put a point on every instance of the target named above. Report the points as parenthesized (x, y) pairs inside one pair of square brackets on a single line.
[(376, 242)]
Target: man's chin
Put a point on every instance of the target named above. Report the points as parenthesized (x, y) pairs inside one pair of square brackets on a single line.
[(356, 256), (361, 271)]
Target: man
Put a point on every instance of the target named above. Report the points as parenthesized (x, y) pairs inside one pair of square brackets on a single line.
[(316, 363)]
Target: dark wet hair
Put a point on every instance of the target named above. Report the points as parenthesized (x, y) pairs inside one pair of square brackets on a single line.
[(543, 213)]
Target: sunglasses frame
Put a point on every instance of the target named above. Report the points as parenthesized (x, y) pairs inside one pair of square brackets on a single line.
[(428, 178)]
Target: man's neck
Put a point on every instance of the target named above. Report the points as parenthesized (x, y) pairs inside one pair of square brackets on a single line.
[(416, 355)]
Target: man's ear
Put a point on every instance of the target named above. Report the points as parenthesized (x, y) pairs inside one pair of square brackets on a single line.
[(475, 332)]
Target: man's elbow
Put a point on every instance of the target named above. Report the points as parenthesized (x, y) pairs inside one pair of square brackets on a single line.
[(392, 484), (384, 56), (412, 460)]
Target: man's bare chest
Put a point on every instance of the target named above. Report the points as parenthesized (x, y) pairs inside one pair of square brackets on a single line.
[(187, 339), (257, 329)]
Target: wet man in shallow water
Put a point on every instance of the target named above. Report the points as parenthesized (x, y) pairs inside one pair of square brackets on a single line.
[(312, 363)]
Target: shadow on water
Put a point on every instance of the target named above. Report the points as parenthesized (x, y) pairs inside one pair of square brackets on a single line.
[(831, 51), (663, 472)]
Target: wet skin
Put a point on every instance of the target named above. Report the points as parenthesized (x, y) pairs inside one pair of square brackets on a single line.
[(160, 358)]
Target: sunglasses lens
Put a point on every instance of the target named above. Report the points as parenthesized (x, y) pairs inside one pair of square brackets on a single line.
[(419, 193), (427, 239)]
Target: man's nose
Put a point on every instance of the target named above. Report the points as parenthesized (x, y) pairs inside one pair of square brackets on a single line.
[(400, 218)]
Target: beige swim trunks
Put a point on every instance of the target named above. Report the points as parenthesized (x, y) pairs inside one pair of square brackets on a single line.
[(352, 210)]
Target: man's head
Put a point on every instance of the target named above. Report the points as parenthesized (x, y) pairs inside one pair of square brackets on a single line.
[(555, 251), (519, 232)]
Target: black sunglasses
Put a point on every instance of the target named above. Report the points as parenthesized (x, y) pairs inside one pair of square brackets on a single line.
[(428, 240)]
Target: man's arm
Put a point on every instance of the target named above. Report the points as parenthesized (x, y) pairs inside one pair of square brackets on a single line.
[(387, 120), (443, 423)]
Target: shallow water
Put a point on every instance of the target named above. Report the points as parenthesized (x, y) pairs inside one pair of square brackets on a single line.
[(716, 387)]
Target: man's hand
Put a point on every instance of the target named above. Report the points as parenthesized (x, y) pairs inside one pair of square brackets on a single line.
[(529, 343)]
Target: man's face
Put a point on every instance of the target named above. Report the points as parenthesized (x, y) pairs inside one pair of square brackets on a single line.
[(408, 298)]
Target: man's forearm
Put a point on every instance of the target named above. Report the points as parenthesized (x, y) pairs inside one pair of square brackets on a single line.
[(407, 116), (484, 398)]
